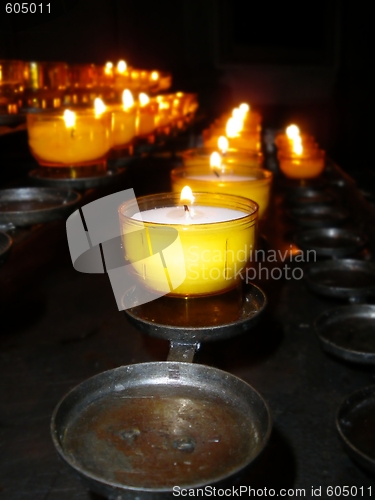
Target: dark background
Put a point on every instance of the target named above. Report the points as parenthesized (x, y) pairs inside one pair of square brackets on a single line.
[(310, 62)]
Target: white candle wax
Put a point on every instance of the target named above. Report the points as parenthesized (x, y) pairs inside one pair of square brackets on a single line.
[(223, 177), (196, 215)]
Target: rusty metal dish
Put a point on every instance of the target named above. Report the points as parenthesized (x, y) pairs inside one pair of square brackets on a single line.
[(139, 430)]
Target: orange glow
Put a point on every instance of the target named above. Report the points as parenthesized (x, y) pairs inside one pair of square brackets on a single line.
[(154, 76)]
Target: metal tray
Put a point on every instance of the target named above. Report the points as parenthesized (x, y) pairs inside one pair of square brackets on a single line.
[(355, 422), (139, 430), (349, 279), (330, 242), (310, 196), (348, 332), (39, 176), (214, 328), (318, 216), (32, 205)]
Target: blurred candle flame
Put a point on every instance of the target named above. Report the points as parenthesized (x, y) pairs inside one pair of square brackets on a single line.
[(99, 106), (127, 99), (108, 68), (121, 66), (154, 76), (143, 99), (215, 160), (292, 131), (233, 127), (297, 146), (187, 195), (244, 108), (69, 118), (223, 144)]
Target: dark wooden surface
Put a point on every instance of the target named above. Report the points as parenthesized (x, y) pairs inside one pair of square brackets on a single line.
[(59, 327)]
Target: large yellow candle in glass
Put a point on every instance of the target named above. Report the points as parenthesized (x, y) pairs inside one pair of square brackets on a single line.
[(236, 179), (70, 138), (124, 121), (216, 235)]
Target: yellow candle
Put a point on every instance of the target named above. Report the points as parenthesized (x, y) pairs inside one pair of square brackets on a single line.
[(70, 138), (305, 166), (124, 121), (215, 238), (231, 156), (235, 179), (147, 112)]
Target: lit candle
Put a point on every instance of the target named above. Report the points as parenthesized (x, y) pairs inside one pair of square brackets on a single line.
[(147, 111), (73, 138), (215, 237), (124, 120), (235, 179)]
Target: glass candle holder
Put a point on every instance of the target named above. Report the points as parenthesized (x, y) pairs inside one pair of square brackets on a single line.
[(124, 122), (250, 141), (146, 118), (214, 243), (11, 85), (306, 166), (199, 156), (56, 143), (235, 179)]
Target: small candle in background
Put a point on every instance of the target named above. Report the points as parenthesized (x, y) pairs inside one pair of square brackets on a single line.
[(147, 111), (70, 138), (124, 120), (218, 176)]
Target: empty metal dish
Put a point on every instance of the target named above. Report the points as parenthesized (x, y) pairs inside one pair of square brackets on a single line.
[(348, 332), (318, 216), (139, 430), (349, 279), (356, 423), (330, 242), (33, 205)]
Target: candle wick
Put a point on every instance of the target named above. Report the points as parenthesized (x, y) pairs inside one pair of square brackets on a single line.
[(72, 132), (186, 208), (216, 172)]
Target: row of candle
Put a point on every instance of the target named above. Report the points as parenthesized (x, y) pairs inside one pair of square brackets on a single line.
[(214, 207), (51, 84), (84, 136), (299, 155)]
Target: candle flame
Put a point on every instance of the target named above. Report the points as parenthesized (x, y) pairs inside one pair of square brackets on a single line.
[(99, 106), (297, 146), (215, 160), (187, 195), (154, 76), (236, 113), (223, 144), (232, 128), (127, 99), (143, 99), (121, 66), (244, 108), (69, 118), (292, 131), (108, 68)]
